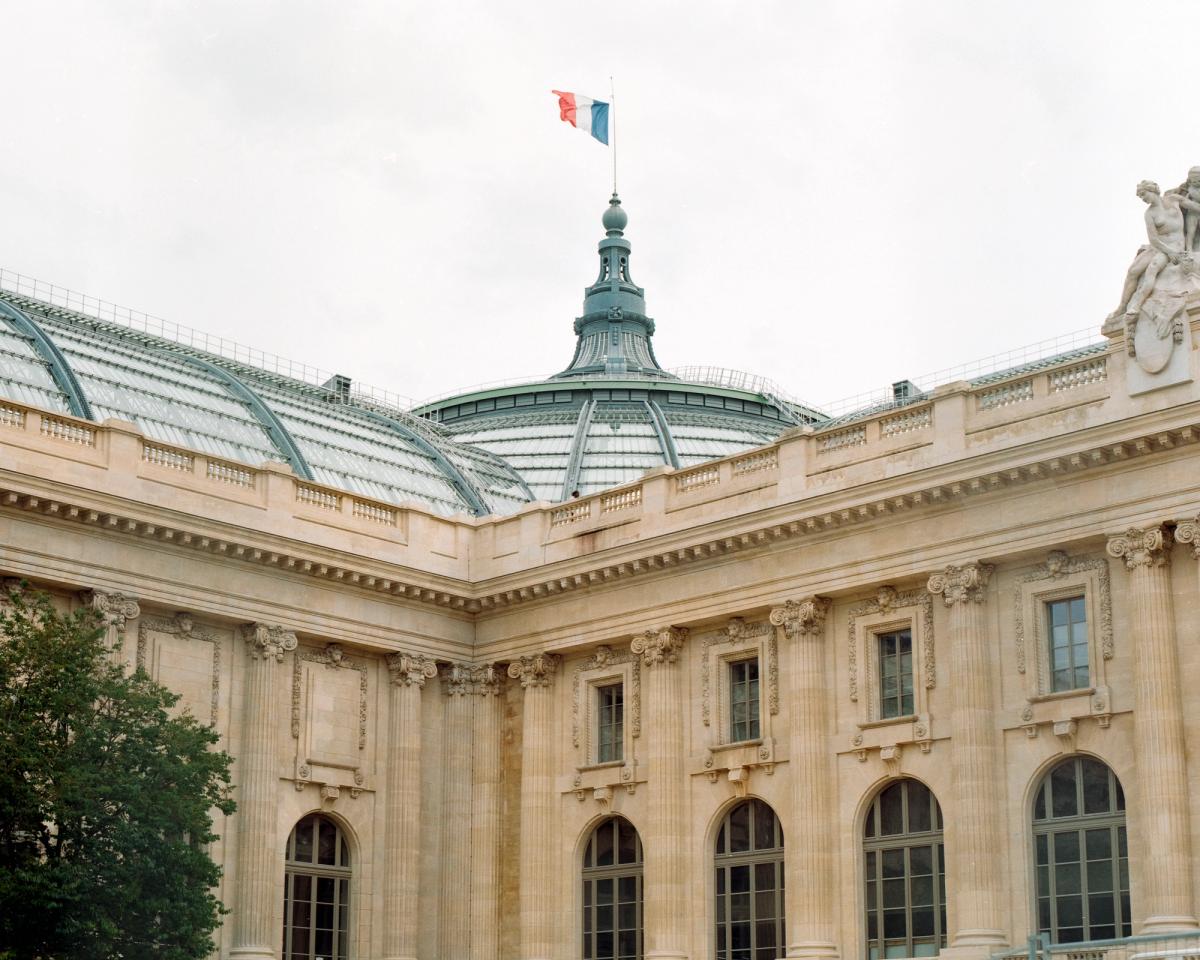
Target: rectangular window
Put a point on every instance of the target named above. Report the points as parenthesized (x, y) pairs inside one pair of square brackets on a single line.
[(1066, 628), (895, 674), (743, 700), (610, 723)]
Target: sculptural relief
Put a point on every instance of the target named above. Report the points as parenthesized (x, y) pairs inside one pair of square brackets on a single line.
[(1164, 275)]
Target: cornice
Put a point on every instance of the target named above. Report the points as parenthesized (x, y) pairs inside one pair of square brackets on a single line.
[(930, 488)]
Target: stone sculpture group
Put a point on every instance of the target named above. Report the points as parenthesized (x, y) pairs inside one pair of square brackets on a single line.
[(1163, 275)]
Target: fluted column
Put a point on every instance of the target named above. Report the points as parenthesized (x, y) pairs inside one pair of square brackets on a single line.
[(538, 876), (487, 719), (1158, 730), (260, 862), (454, 913), (810, 881), (402, 805), (978, 846), (667, 887)]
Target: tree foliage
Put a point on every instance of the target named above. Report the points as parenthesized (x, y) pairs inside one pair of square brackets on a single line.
[(106, 800)]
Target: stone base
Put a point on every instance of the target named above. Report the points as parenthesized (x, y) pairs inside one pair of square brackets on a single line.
[(812, 951), (974, 945), (1165, 924)]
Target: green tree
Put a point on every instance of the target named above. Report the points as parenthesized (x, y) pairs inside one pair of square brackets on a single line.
[(105, 800)]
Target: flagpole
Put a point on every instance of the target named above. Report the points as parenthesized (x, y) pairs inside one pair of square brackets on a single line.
[(613, 99)]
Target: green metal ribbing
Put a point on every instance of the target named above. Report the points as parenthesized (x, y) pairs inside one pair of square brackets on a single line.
[(457, 478), (60, 370), (578, 442), (663, 430), (261, 412)]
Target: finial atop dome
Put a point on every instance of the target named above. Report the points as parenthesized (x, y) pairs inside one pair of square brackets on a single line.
[(615, 218)]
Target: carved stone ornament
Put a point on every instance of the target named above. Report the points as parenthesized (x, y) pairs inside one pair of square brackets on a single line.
[(887, 599), (1150, 547), (962, 584), (802, 617), (486, 680), (1189, 532), (267, 642), (334, 658), (739, 630), (182, 625), (659, 646), (1164, 275), (1057, 566), (115, 609), (536, 670), (456, 680), (410, 669), (606, 656)]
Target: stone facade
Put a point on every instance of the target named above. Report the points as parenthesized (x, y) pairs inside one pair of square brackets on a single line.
[(428, 683)]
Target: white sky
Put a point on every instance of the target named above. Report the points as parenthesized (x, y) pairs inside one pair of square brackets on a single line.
[(833, 195)]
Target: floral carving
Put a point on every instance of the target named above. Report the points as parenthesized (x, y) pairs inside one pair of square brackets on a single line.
[(737, 630), (886, 600), (268, 642), (1189, 532), (115, 609), (962, 584), (1058, 565), (802, 617), (456, 680), (335, 658), (410, 669), (660, 645), (536, 670), (1150, 547), (605, 656), (183, 625), (486, 680)]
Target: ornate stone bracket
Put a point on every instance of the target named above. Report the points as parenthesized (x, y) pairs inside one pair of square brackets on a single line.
[(330, 790), (601, 783)]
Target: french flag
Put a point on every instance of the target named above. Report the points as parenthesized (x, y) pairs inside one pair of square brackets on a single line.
[(584, 113)]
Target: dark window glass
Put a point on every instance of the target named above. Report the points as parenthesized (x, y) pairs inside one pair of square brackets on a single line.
[(1066, 632), (1082, 865), (610, 723), (895, 674), (749, 884), (612, 892), (316, 892), (743, 700), (904, 871)]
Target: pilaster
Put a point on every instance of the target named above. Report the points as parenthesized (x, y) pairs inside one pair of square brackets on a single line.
[(259, 865), (454, 915), (810, 861), (537, 866), (1158, 729), (116, 610), (486, 720), (407, 674), (977, 852), (667, 889)]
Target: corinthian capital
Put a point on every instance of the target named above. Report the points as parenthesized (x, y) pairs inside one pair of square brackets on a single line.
[(410, 669), (1189, 532), (660, 645), (804, 617), (965, 584), (486, 680), (267, 642), (1150, 547), (535, 671), (115, 609)]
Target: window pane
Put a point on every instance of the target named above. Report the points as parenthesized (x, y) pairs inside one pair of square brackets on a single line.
[(1062, 790), (604, 845), (764, 827), (304, 840), (739, 829), (326, 843), (628, 843), (891, 810), (1095, 787)]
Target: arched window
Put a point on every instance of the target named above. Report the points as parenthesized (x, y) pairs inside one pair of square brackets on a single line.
[(316, 892), (904, 867), (749, 864), (1081, 855), (612, 892)]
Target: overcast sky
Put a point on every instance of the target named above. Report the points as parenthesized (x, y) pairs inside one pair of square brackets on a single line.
[(833, 195)]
